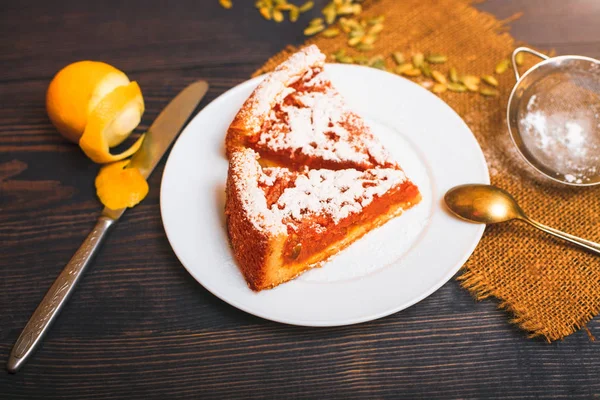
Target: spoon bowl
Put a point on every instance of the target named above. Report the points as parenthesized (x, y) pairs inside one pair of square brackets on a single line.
[(487, 204), (483, 204)]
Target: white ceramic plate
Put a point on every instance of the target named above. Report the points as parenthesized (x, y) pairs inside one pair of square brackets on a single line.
[(389, 269)]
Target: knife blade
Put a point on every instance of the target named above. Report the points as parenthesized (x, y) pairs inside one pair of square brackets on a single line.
[(159, 137), (161, 134)]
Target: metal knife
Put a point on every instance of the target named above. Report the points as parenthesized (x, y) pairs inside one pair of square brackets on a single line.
[(159, 137)]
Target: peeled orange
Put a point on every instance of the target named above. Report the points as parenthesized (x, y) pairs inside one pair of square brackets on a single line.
[(76, 90)]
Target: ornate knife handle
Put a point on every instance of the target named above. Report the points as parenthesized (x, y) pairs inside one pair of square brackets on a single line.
[(57, 296)]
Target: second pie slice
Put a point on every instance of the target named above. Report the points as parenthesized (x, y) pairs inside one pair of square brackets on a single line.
[(295, 118), (283, 222)]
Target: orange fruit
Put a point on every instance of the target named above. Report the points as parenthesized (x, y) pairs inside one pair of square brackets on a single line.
[(118, 186), (76, 90), (111, 122)]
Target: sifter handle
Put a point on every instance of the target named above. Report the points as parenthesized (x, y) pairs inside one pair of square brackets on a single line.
[(524, 50)]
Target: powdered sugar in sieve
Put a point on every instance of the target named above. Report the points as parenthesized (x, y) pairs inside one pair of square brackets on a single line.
[(560, 125), (554, 117)]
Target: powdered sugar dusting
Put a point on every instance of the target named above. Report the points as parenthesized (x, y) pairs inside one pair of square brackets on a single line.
[(276, 86), (337, 194), (315, 121), (246, 173)]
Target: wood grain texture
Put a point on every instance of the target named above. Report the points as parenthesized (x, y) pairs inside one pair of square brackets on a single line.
[(139, 326)]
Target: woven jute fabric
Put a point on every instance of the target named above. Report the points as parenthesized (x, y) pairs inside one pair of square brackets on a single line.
[(550, 288)]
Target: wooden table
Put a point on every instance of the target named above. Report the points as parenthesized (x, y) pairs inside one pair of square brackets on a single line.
[(139, 326)]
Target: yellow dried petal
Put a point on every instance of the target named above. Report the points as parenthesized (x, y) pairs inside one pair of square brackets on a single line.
[(316, 21), (306, 6), (502, 66), (277, 15), (519, 58), (331, 32), (398, 57), (402, 68), (265, 12), (226, 4), (453, 75), (375, 29), (313, 30), (418, 60), (412, 72), (439, 88), (439, 77), (490, 80)]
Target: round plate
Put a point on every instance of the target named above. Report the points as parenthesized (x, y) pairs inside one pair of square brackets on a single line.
[(390, 268)]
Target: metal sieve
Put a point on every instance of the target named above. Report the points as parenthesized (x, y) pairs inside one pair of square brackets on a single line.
[(553, 117)]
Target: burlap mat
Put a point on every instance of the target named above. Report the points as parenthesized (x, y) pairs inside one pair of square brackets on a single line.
[(550, 288)]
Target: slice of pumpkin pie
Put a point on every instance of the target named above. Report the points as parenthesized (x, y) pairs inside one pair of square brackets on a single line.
[(282, 222)]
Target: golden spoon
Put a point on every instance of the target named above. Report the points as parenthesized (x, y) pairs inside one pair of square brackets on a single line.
[(488, 204)]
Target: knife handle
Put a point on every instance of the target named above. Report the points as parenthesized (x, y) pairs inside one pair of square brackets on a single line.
[(57, 296)]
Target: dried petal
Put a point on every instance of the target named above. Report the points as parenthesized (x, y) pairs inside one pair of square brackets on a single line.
[(331, 32), (502, 66), (519, 58), (453, 75), (436, 59), (490, 80), (306, 6), (277, 15), (489, 92), (398, 57), (418, 59), (313, 30), (412, 72), (439, 88), (402, 68), (456, 87), (439, 77), (226, 4)]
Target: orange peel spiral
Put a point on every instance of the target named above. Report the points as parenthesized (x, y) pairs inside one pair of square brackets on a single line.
[(111, 122)]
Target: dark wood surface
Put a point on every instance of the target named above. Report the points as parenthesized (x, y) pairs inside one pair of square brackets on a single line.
[(139, 326)]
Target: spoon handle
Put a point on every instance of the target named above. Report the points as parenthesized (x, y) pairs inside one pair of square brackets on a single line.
[(592, 246)]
